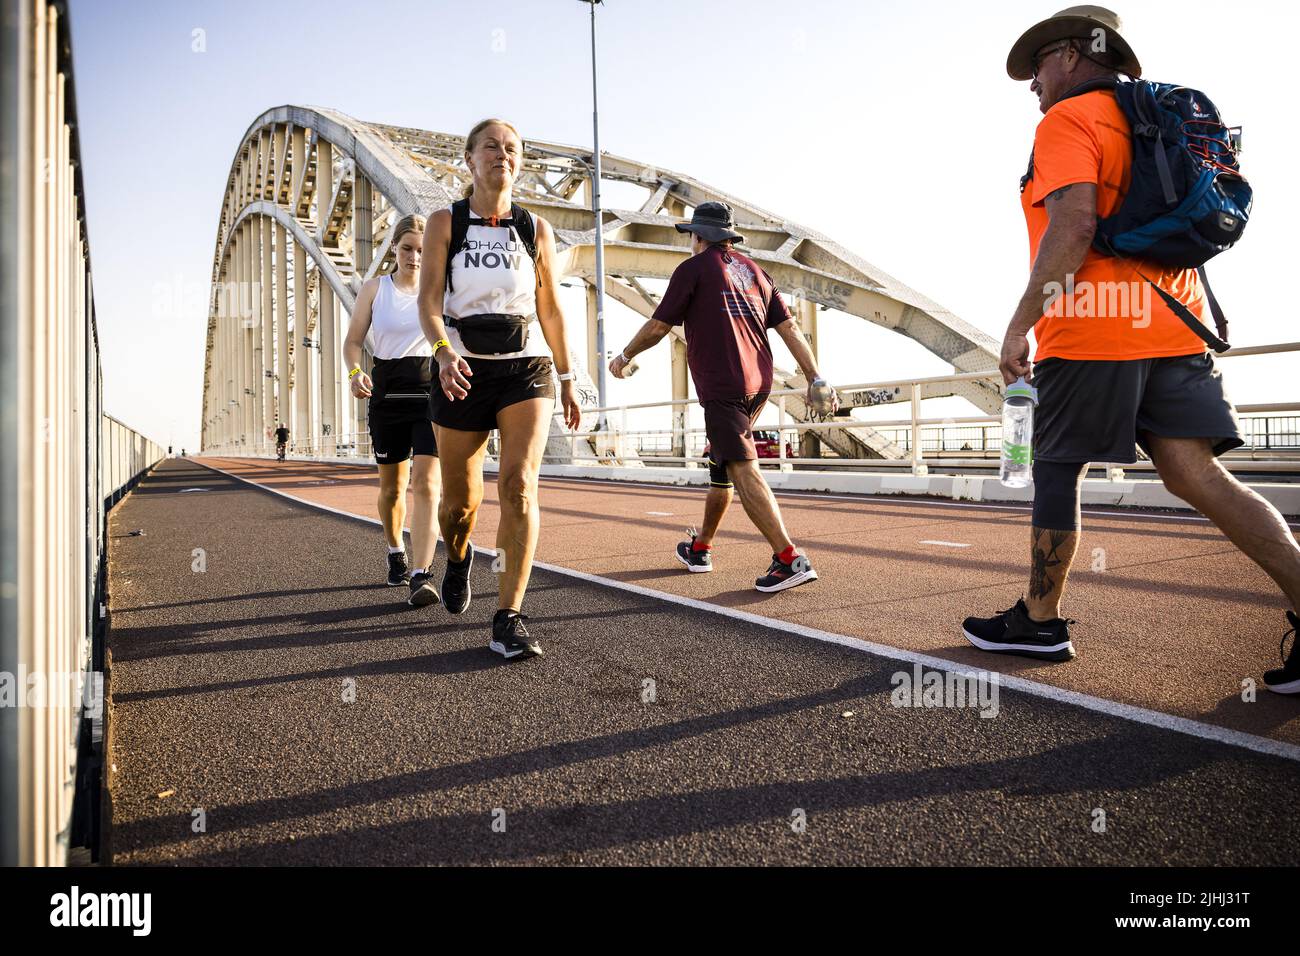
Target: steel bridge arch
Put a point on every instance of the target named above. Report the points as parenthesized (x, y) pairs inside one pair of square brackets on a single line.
[(334, 184)]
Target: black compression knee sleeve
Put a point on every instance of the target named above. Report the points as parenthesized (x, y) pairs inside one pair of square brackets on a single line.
[(1056, 495), (718, 473)]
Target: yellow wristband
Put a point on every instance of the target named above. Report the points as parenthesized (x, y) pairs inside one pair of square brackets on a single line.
[(439, 344), (354, 371)]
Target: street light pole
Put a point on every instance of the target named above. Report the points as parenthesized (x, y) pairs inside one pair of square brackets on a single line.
[(600, 237)]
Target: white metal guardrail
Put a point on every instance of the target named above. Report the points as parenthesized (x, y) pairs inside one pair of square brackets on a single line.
[(64, 463), (614, 441), (618, 443)]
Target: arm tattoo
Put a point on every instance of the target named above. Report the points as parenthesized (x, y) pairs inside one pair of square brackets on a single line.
[(1058, 193), (1045, 558)]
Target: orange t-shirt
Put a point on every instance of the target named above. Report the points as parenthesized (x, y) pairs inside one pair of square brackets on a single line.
[(1109, 312)]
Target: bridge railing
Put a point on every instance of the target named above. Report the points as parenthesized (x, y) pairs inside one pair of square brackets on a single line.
[(63, 463), (618, 441)]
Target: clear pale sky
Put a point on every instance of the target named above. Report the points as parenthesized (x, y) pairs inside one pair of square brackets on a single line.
[(891, 128)]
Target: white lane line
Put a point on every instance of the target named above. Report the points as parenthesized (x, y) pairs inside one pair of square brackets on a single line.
[(660, 514), (894, 499), (1130, 712), (947, 544)]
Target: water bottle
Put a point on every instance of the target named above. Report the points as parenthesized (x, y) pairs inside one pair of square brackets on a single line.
[(821, 397), (1018, 434)]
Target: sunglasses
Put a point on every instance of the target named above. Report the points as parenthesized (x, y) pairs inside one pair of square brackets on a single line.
[(1037, 61)]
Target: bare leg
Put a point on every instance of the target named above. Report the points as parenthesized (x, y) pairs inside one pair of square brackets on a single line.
[(759, 503), (715, 507), (392, 500), (1189, 469), (524, 428), (460, 455), (1051, 553), (425, 482)]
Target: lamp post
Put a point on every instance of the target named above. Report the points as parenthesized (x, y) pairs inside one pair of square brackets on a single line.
[(600, 237)]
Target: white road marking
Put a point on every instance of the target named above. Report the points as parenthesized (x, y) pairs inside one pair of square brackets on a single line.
[(948, 544), (1138, 715), (660, 514)]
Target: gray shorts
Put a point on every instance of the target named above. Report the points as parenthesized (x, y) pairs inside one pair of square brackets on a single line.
[(1097, 411)]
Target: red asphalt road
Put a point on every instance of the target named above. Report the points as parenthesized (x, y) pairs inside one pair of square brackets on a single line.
[(1175, 622)]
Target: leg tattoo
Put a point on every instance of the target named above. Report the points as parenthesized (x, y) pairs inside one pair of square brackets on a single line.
[(1045, 558)]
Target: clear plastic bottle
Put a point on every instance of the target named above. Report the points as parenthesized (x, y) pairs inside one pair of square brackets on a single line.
[(822, 393), (1018, 434)]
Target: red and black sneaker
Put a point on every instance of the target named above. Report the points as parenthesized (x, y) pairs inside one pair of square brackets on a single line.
[(696, 561), (781, 576)]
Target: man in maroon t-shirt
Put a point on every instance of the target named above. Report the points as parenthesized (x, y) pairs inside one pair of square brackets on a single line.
[(726, 303)]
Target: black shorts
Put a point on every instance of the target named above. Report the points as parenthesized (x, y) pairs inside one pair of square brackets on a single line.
[(399, 429), (1097, 411), (495, 384), (729, 428)]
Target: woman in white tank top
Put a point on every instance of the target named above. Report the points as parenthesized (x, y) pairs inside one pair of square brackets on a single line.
[(386, 315), (491, 309)]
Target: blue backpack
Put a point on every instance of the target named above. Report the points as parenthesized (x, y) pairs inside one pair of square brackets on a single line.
[(1187, 200)]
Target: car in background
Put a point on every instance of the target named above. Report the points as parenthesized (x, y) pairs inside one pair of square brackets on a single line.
[(768, 445)]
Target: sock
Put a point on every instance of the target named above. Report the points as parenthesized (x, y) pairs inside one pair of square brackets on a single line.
[(396, 550), (696, 546), (788, 555), (503, 613), (415, 571)]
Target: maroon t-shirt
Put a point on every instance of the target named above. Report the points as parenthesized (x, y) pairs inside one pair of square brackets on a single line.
[(726, 303)]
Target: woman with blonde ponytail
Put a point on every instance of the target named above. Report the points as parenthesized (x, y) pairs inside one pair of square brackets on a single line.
[(401, 434)]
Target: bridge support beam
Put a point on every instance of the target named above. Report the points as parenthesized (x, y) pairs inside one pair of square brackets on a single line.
[(592, 357), (283, 401), (266, 376), (325, 324), (681, 390), (303, 426)]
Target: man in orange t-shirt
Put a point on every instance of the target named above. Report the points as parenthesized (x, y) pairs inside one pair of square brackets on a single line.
[(1114, 365)]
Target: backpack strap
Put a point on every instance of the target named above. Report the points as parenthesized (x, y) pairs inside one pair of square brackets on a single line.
[(524, 226), (1147, 112), (459, 230), (1088, 86), (1217, 342)]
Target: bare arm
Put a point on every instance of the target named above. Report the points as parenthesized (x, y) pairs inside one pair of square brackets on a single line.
[(551, 318), (354, 342), (1072, 222), (453, 371), (798, 346), (647, 337)]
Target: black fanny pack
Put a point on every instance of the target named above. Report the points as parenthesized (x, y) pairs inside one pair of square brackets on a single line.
[(493, 333)]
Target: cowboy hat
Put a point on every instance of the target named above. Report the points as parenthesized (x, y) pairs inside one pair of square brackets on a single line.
[(1096, 24)]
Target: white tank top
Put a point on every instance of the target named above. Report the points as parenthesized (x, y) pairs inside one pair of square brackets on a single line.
[(395, 324), (494, 273)]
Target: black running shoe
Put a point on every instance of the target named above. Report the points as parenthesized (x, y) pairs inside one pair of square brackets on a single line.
[(510, 638), (695, 561), (781, 575), (398, 570), (1286, 679), (455, 584), (1013, 632), (423, 593)]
